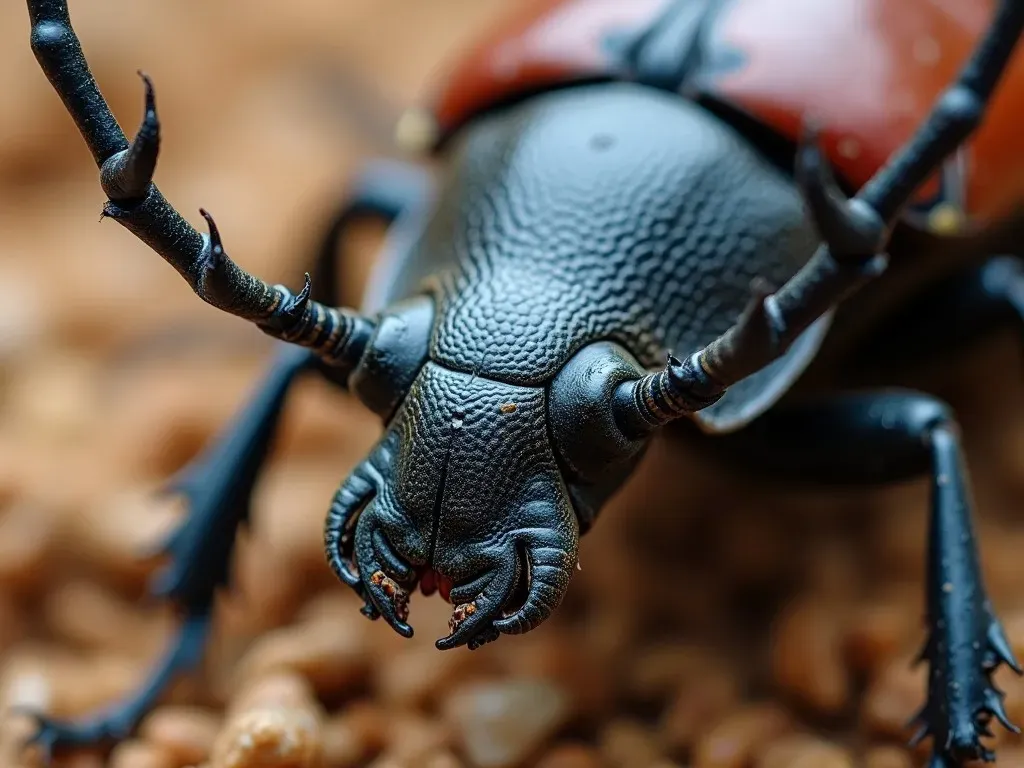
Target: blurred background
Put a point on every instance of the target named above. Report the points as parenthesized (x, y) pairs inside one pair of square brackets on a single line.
[(716, 622)]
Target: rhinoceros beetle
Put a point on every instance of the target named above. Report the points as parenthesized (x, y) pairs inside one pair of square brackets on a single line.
[(644, 217)]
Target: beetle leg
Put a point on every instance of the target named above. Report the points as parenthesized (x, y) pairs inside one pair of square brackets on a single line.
[(854, 232), (391, 191), (218, 488), (218, 485), (337, 335), (868, 437), (118, 722)]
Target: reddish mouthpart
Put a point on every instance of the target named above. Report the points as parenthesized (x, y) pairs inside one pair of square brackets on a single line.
[(431, 581)]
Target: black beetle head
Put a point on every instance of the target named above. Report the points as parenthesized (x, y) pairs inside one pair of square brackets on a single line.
[(463, 495)]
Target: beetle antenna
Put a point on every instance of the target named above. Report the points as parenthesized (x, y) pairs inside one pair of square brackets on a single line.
[(854, 234), (337, 336)]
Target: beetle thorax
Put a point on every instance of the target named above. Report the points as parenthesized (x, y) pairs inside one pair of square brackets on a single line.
[(607, 212)]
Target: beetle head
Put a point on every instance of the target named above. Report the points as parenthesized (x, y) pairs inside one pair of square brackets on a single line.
[(463, 494), (478, 489)]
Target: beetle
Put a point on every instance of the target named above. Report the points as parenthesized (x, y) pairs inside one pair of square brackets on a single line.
[(643, 220)]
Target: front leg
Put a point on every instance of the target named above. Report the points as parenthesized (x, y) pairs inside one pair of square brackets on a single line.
[(854, 232), (218, 488), (218, 485), (881, 437)]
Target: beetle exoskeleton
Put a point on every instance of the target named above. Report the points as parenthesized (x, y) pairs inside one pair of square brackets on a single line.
[(868, 71)]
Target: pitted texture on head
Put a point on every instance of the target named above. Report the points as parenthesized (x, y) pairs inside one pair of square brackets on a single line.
[(466, 465), (463, 487), (611, 212)]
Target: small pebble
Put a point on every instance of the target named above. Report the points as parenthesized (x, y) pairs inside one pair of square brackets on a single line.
[(412, 738), (800, 751), (879, 629), (332, 653), (700, 702), (570, 756), (807, 656), (894, 697), (500, 724), (139, 754), (356, 735), (629, 744), (186, 733), (740, 736), (893, 757)]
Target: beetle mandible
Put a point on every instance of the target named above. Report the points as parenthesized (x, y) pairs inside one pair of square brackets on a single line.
[(619, 192)]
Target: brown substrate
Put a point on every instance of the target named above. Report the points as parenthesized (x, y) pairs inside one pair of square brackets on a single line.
[(716, 622)]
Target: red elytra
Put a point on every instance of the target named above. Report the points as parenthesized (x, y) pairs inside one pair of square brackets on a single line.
[(868, 71), (547, 44)]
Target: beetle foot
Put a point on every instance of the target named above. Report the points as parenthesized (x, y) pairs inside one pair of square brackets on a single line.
[(962, 700), (53, 735)]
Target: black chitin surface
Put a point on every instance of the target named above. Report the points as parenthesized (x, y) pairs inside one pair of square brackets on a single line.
[(606, 212), (609, 213), (450, 473), (440, 492)]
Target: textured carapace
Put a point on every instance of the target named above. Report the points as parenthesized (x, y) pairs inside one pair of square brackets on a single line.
[(599, 261), (551, 251), (867, 70)]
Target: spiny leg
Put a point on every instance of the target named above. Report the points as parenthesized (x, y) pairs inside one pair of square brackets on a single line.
[(854, 235), (117, 722), (218, 485), (336, 335), (865, 438)]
